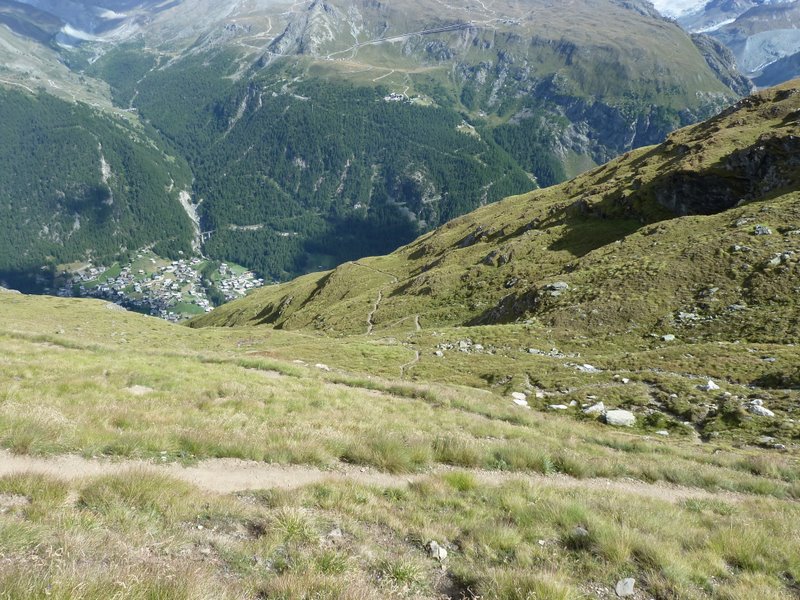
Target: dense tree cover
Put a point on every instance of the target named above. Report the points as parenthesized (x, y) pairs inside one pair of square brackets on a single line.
[(55, 203), (286, 168), (530, 143), (122, 69)]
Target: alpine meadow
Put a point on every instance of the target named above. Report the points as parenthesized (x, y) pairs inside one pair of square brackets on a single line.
[(348, 299)]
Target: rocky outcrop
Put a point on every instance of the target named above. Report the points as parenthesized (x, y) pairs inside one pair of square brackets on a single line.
[(747, 174), (722, 62), (322, 23)]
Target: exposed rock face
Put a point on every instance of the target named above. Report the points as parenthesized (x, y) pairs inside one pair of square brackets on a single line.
[(765, 166), (723, 63), (321, 24), (691, 193), (603, 131)]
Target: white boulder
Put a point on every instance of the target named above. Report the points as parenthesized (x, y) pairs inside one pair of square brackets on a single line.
[(620, 418)]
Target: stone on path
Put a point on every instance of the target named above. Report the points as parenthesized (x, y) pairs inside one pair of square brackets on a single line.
[(710, 386), (519, 398), (596, 410), (437, 551), (625, 587)]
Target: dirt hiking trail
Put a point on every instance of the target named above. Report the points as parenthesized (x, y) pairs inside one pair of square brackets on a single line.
[(227, 475)]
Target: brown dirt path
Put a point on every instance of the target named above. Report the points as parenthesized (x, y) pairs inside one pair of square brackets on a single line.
[(227, 475)]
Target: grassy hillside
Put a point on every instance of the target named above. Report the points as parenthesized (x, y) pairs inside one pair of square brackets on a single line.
[(663, 240), (601, 271), (149, 460)]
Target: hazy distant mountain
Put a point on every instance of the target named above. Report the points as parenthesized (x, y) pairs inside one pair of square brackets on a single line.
[(764, 35), (679, 8), (88, 19)]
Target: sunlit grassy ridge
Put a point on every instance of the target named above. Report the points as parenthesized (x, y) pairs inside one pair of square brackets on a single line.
[(615, 236)]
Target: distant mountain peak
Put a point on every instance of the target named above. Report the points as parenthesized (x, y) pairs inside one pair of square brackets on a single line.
[(309, 30), (764, 35)]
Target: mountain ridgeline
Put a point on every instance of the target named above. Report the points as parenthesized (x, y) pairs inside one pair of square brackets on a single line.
[(323, 131), (699, 235)]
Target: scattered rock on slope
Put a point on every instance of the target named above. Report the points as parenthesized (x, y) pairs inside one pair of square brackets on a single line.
[(620, 418), (625, 587)]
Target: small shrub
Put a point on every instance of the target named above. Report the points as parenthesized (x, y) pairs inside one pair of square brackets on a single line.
[(138, 490), (402, 572), (516, 585), (39, 489), (515, 456), (572, 466), (294, 586), (456, 451), (390, 453), (461, 481), (331, 562), (293, 525)]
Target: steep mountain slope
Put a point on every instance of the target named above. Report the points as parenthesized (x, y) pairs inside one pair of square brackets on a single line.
[(416, 112), (31, 23), (698, 236), (77, 183), (505, 93)]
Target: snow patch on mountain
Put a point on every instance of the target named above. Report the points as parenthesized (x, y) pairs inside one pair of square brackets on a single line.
[(715, 26), (679, 8), (77, 34), (111, 15)]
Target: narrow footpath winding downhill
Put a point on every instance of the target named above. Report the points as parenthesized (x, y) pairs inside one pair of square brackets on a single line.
[(379, 299), (404, 368), (371, 314)]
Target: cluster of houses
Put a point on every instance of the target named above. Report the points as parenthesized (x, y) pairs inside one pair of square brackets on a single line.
[(172, 291), (395, 97), (235, 286)]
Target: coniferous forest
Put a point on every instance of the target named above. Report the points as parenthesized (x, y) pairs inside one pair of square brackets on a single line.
[(58, 205)]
